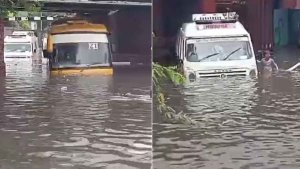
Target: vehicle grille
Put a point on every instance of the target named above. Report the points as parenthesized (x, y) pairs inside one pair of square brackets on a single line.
[(218, 74), (12, 57)]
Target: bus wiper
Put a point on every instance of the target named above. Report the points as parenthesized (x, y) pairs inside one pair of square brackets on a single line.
[(206, 57), (231, 53), (94, 64)]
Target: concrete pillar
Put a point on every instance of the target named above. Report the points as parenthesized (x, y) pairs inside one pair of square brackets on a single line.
[(114, 31), (208, 6), (2, 64)]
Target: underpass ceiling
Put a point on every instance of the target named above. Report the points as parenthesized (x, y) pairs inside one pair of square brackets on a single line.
[(91, 5)]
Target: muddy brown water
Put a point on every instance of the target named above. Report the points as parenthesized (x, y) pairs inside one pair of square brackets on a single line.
[(245, 123), (74, 122)]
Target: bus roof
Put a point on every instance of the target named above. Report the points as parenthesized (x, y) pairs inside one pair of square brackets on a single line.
[(78, 27)]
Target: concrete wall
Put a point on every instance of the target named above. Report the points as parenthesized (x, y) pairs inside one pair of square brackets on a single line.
[(167, 20), (259, 22), (131, 34), (286, 26), (134, 31), (281, 27), (169, 15), (294, 25)]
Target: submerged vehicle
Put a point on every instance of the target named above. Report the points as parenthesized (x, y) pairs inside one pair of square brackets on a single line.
[(24, 32), (78, 47), (21, 48), (215, 45)]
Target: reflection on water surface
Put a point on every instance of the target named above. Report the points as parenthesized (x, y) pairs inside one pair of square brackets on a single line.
[(74, 122)]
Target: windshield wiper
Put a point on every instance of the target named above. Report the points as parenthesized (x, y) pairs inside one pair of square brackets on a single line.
[(206, 57), (231, 53), (94, 64)]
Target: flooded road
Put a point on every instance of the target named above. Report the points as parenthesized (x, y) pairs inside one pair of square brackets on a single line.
[(74, 122), (245, 124)]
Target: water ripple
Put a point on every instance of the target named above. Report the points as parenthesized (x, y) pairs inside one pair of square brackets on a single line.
[(74, 122), (246, 124)]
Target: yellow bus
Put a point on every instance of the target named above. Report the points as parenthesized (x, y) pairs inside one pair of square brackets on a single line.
[(79, 47)]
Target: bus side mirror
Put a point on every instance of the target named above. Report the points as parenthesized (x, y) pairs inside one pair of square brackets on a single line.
[(45, 54), (34, 51), (113, 47)]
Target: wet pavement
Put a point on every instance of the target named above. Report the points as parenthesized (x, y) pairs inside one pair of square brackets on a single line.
[(245, 123), (74, 122)]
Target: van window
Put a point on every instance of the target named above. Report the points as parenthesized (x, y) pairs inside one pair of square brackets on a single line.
[(17, 47)]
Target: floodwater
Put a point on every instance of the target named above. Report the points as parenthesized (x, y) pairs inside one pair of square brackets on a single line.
[(244, 124), (74, 122)]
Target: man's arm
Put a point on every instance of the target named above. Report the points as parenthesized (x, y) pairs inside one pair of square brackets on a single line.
[(274, 64)]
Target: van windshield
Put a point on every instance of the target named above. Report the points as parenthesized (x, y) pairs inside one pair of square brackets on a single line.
[(17, 47), (212, 51), (81, 54)]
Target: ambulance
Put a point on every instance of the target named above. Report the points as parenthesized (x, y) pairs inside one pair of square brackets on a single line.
[(215, 45), (20, 48)]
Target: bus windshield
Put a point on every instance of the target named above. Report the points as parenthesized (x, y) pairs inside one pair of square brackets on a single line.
[(81, 54), (211, 51), (17, 47)]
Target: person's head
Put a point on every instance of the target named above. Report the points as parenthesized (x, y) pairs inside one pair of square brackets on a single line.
[(267, 54), (191, 47)]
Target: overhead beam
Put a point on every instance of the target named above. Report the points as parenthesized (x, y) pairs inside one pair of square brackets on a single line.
[(76, 9), (119, 3), (82, 6), (35, 18)]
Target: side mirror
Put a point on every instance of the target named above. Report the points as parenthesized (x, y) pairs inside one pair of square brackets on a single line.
[(34, 51), (259, 54), (113, 47), (45, 54), (180, 61)]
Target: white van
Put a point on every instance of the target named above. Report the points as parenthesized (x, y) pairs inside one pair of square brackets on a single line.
[(20, 48), (215, 45)]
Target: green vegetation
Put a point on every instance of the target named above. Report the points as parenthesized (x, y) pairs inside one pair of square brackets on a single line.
[(162, 75), (9, 7)]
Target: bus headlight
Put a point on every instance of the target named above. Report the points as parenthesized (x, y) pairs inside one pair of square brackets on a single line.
[(192, 77)]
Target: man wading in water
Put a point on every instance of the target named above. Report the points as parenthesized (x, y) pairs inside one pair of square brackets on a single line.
[(268, 65)]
